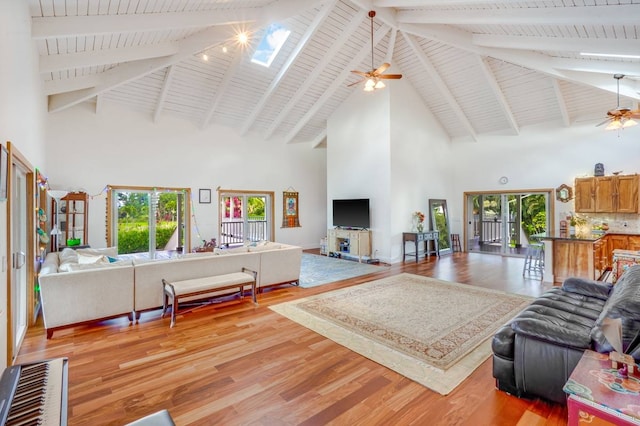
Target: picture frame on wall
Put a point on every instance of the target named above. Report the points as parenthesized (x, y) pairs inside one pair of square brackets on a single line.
[(204, 196), (4, 171)]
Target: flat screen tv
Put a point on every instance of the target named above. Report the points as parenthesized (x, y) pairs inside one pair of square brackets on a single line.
[(351, 213)]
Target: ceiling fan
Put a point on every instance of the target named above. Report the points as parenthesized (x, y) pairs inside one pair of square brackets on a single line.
[(620, 117), (373, 79)]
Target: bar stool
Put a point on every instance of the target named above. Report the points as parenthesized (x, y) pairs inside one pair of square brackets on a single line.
[(455, 243), (534, 260)]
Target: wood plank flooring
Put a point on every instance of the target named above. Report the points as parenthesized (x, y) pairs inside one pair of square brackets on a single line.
[(238, 364)]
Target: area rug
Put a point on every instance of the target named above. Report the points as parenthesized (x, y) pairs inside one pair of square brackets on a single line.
[(316, 270), (432, 331)]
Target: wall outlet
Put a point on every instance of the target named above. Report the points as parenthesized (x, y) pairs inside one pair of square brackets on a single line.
[(4, 263)]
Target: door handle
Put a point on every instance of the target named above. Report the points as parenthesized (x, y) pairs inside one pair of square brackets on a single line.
[(19, 259)]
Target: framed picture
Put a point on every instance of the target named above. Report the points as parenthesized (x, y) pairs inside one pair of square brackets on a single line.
[(4, 167), (205, 196), (290, 210)]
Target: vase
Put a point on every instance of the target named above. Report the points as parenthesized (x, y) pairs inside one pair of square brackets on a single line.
[(420, 227)]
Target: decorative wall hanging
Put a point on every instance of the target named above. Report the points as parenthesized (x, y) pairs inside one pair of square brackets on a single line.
[(205, 196), (290, 209)]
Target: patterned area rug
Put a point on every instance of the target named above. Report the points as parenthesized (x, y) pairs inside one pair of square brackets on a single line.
[(317, 270), (431, 331)]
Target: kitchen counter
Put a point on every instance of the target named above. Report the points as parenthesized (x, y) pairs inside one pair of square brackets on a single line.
[(590, 237), (585, 255)]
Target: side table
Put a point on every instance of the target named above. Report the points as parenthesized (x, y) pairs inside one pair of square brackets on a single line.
[(598, 395), (417, 238)]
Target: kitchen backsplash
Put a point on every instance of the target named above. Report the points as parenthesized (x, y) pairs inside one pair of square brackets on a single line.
[(618, 222)]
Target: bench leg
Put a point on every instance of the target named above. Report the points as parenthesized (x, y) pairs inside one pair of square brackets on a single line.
[(174, 308)]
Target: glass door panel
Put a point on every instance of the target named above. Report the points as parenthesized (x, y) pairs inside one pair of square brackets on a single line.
[(505, 223), (152, 222), (244, 218)]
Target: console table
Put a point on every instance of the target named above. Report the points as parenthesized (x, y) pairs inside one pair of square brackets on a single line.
[(599, 396), (417, 238)]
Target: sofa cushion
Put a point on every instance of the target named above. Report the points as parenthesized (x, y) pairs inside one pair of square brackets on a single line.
[(597, 289), (107, 251)]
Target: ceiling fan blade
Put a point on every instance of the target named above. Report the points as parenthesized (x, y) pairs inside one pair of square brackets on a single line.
[(382, 68), (357, 82), (360, 73), (391, 76), (634, 114), (604, 122)]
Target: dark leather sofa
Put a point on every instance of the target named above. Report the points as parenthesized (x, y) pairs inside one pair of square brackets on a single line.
[(535, 353)]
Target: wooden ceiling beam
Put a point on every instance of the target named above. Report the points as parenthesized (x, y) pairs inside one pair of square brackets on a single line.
[(569, 15), (168, 77), (132, 70), (337, 83), (559, 44), (433, 73), (310, 80), (67, 61), (222, 88), (275, 83), (498, 93), (77, 26)]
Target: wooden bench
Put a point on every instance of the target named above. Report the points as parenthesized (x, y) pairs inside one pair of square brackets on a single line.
[(177, 290)]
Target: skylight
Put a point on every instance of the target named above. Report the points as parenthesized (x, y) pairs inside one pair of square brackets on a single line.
[(271, 43)]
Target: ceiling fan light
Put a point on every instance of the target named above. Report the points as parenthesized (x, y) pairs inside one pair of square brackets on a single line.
[(369, 85), (379, 85), (614, 125), (629, 123)]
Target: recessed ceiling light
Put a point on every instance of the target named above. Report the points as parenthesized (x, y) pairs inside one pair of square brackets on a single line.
[(224, 49), (610, 55), (205, 57)]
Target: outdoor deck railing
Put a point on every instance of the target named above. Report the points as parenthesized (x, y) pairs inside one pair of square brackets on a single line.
[(232, 233)]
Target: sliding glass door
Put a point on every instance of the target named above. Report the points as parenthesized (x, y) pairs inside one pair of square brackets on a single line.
[(506, 222), (151, 221)]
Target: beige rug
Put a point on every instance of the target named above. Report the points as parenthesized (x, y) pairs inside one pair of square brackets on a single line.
[(432, 331)]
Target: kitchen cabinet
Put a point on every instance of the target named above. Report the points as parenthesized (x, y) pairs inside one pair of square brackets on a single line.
[(584, 190), (633, 242), (607, 194)]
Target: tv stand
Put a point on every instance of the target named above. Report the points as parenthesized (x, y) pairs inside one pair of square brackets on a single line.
[(354, 242)]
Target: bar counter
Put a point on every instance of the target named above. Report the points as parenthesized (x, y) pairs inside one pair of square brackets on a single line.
[(586, 254)]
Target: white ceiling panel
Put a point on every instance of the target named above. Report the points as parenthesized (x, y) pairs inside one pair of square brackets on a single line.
[(479, 67)]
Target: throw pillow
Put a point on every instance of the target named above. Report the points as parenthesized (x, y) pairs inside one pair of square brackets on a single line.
[(85, 259), (107, 251)]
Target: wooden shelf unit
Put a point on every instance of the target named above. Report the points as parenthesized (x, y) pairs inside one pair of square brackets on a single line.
[(353, 242)]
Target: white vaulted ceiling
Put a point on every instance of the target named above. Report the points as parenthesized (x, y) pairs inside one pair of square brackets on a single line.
[(480, 67)]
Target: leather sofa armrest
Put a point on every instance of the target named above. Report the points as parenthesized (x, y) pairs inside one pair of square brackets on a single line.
[(586, 287), (551, 333)]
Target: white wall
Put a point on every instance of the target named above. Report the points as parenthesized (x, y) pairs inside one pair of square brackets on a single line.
[(87, 151), (420, 158), (386, 146), (22, 108), (358, 152)]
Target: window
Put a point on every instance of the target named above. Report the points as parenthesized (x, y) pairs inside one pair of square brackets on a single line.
[(153, 222), (274, 37)]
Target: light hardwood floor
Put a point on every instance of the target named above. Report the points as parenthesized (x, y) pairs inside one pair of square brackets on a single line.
[(237, 364)]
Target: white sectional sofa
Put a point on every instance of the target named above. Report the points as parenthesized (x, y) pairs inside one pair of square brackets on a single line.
[(74, 291)]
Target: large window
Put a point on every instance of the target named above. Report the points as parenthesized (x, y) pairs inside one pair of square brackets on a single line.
[(150, 221)]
